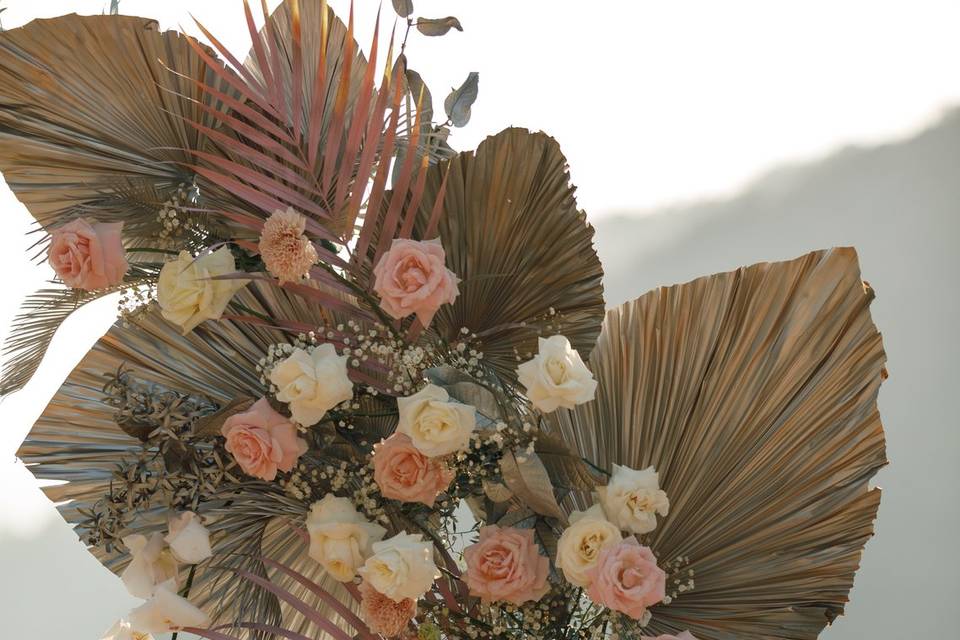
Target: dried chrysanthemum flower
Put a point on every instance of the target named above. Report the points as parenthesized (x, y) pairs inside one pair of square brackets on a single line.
[(286, 251), (383, 615)]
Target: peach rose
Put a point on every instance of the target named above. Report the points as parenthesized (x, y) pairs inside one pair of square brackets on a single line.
[(412, 278), (627, 579), (263, 441), (88, 256), (506, 566), (683, 635), (405, 474)]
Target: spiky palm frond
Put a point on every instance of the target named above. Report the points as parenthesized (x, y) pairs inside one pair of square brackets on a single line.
[(41, 314), (754, 394)]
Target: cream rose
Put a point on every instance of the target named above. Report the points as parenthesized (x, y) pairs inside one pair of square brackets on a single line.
[(340, 537), (401, 567), (166, 611), (556, 376), (189, 540), (312, 382), (436, 425), (150, 565), (580, 544), (188, 295), (632, 499)]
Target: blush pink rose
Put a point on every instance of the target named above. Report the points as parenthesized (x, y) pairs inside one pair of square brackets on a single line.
[(88, 256), (506, 566), (627, 579), (263, 441), (405, 474), (412, 278), (683, 635)]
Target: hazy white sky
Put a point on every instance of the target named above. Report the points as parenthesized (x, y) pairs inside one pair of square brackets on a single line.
[(656, 102)]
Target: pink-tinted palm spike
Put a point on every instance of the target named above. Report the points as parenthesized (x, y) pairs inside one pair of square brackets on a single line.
[(256, 117), (416, 197), (255, 135), (372, 217), (302, 607), (318, 98), (252, 83), (437, 211), (258, 44), (272, 42), (392, 220), (375, 129), (335, 132), (251, 93), (297, 80), (357, 125)]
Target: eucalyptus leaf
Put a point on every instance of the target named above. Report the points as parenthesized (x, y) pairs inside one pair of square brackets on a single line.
[(438, 26), (496, 492), (458, 103), (528, 479), (114, 7), (417, 86), (565, 466), (209, 426), (522, 518), (403, 7), (466, 389)]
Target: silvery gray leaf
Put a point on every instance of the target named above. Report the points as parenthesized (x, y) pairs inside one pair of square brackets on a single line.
[(403, 7), (458, 103), (466, 389), (526, 476), (417, 85), (438, 26)]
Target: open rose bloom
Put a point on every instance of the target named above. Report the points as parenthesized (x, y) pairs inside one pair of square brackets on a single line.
[(626, 578), (263, 441), (411, 278), (403, 473), (505, 565), (88, 255)]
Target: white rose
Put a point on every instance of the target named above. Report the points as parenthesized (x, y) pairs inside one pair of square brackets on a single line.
[(401, 567), (632, 499), (186, 293), (121, 630), (580, 544), (340, 537), (166, 611), (556, 377), (150, 565), (436, 425), (312, 382), (189, 540)]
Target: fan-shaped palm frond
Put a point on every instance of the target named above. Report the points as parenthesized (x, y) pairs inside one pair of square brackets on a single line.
[(512, 232), (753, 393), (86, 101)]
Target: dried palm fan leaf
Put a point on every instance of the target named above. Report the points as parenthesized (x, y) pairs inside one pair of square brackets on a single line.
[(91, 124), (87, 101), (216, 363), (537, 270), (753, 393)]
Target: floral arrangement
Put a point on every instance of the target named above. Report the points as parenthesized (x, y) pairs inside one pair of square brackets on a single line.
[(365, 386)]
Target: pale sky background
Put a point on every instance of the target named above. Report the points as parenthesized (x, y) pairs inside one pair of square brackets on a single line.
[(654, 104)]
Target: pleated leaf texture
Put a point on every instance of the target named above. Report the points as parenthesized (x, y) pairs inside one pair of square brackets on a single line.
[(753, 393)]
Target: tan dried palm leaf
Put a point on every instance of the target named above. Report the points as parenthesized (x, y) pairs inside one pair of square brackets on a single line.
[(76, 440), (753, 393), (88, 101), (512, 232)]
